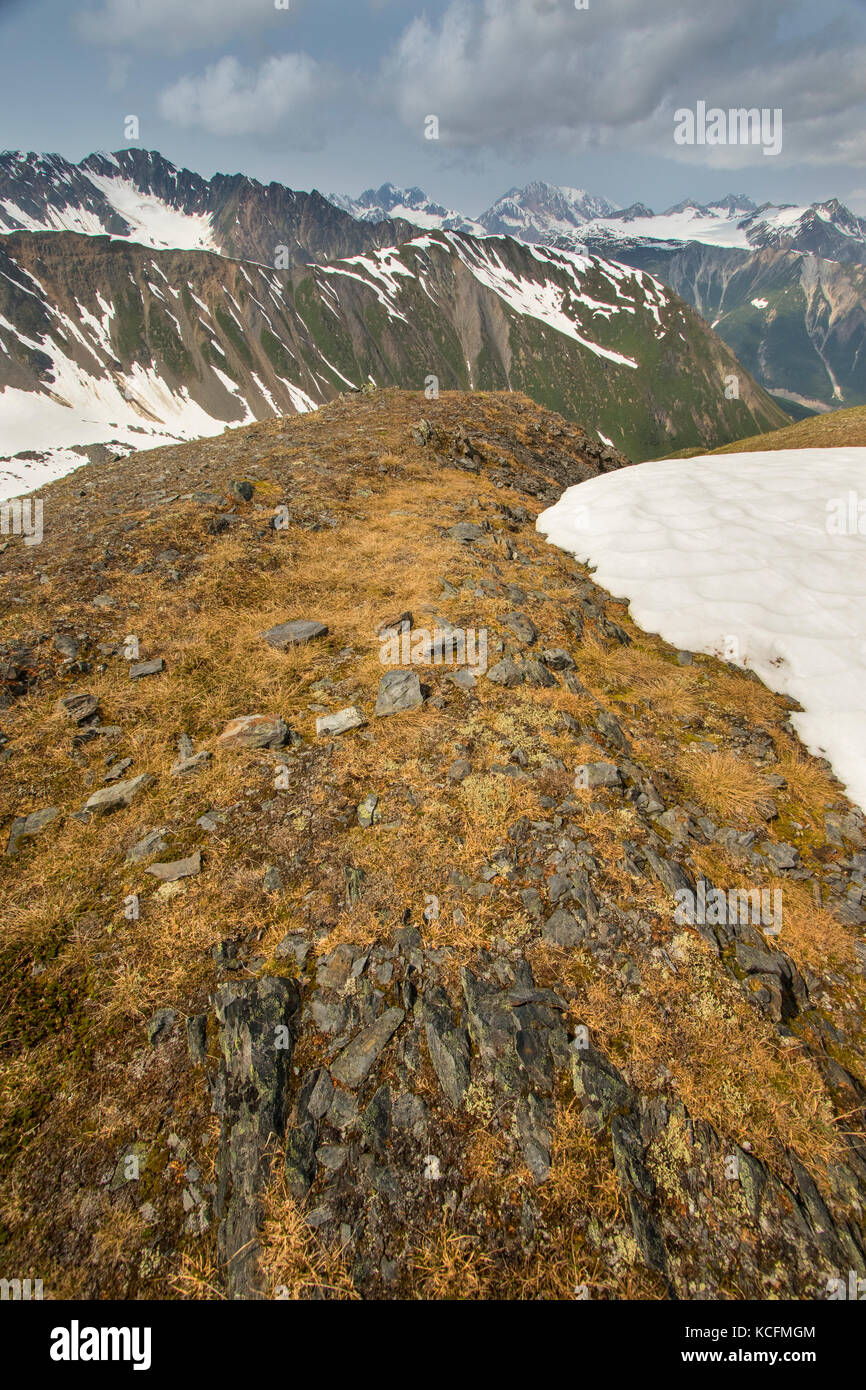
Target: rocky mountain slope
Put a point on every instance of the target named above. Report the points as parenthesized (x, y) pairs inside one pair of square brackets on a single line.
[(137, 195), (796, 321), (329, 971), (107, 343)]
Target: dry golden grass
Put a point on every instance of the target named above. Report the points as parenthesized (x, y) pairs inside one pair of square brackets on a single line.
[(812, 936), (745, 699), (449, 1267), (295, 1263), (727, 1061), (833, 429), (641, 673), (196, 1276), (808, 784), (733, 790), (582, 1200)]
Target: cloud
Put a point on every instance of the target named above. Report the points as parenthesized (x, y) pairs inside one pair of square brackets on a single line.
[(169, 25), (522, 75), (230, 99)]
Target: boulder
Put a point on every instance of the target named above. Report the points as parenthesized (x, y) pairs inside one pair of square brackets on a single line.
[(293, 633), (398, 691)]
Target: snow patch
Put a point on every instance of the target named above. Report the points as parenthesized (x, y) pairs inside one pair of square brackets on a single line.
[(737, 548)]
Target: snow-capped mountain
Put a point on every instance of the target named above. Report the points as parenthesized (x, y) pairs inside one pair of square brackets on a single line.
[(106, 342), (139, 196), (784, 286), (410, 204), (828, 230), (543, 210)]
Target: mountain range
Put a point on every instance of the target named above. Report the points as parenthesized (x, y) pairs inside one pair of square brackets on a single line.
[(137, 195), (785, 286), (103, 345), (106, 342)]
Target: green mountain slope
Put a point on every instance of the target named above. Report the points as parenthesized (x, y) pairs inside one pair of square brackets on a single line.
[(110, 342)]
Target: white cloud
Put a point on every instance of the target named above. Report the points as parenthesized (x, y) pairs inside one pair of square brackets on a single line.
[(173, 25), (230, 99), (524, 74)]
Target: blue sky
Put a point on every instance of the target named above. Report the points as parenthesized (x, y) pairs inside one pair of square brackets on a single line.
[(332, 94)]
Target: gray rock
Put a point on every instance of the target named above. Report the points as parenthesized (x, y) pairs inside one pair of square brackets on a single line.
[(180, 868), (564, 929), (599, 1085), (332, 1156), (466, 532), (343, 1111), (647, 1234), (160, 1025), (611, 729), (116, 771), (781, 856), (506, 673), (557, 659), (669, 873), (340, 723), (196, 1039), (398, 691), (534, 673), (357, 1060), (459, 770), (30, 825), (293, 633), (67, 645), (523, 627), (153, 843), (534, 1133), (316, 1095), (448, 1045), (301, 1158), (294, 945), (79, 707), (122, 794), (367, 812), (273, 880), (187, 766), (464, 679), (628, 1156), (254, 731), (376, 1119), (146, 668), (256, 1020)]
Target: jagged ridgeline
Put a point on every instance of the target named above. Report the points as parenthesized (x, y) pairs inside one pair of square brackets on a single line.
[(323, 977), (142, 344)]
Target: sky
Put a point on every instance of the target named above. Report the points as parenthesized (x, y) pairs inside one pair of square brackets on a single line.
[(337, 94)]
